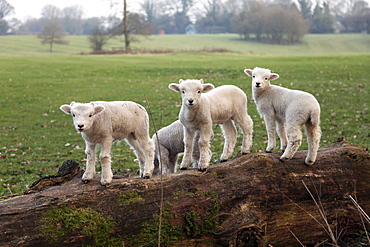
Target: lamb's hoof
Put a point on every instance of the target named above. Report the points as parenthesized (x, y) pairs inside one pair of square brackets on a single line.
[(183, 168), (283, 159), (309, 162), (244, 153), (146, 177), (202, 169), (85, 181), (104, 184), (268, 151), (223, 161)]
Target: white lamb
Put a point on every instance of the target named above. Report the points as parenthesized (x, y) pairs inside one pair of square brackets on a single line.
[(285, 111), (169, 145), (103, 122), (222, 105)]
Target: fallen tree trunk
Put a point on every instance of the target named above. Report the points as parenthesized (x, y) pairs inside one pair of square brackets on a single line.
[(252, 200)]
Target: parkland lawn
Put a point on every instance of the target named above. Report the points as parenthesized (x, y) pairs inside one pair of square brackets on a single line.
[(36, 137)]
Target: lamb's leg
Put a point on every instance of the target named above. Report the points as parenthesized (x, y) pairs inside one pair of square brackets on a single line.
[(188, 148), (138, 153), (157, 168), (313, 139), (105, 159), (90, 164), (271, 131), (196, 153), (144, 150), (148, 146), (164, 160), (294, 142), (204, 139), (282, 135), (229, 132), (172, 162), (246, 124)]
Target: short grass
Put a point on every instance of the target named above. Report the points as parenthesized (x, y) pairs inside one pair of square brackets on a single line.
[(36, 137), (313, 44)]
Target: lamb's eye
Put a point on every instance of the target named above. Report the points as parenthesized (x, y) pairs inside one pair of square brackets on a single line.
[(254, 76), (266, 78), (73, 115), (198, 91), (90, 115), (183, 91)]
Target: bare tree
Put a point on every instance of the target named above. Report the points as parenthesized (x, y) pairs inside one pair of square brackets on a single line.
[(51, 13), (180, 9), (340, 7), (5, 8), (120, 26), (72, 19), (130, 25), (217, 16), (305, 6), (357, 18), (181, 6), (15, 25), (4, 27), (150, 8), (126, 31), (52, 34), (98, 38), (272, 24), (296, 26)]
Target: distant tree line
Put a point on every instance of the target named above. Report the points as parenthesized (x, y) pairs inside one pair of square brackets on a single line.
[(327, 16), (70, 19), (276, 24), (276, 21), (5, 9), (272, 21)]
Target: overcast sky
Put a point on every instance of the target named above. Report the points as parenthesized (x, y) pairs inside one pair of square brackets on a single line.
[(92, 8), (27, 8)]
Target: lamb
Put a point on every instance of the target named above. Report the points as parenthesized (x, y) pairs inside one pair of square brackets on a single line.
[(285, 111), (102, 122), (169, 145), (222, 105)]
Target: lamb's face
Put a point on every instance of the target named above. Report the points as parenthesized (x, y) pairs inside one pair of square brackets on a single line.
[(261, 77), (83, 114), (191, 91)]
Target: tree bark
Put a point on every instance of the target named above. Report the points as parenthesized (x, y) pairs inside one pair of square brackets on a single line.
[(252, 200), (126, 30)]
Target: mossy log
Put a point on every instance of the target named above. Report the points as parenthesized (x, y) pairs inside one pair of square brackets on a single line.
[(252, 200)]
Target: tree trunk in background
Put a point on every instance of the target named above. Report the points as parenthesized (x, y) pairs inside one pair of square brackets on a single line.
[(126, 30), (252, 200)]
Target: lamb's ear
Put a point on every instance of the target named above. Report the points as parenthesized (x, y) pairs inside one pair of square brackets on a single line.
[(201, 81), (273, 76), (207, 87), (66, 109), (98, 109), (249, 72), (175, 87)]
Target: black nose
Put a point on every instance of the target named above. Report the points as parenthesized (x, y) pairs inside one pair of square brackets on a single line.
[(258, 84), (190, 101), (80, 126)]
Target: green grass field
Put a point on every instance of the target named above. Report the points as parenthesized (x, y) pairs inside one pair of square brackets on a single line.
[(36, 137), (324, 44)]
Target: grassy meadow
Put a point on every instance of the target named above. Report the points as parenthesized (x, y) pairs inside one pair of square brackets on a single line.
[(36, 137)]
